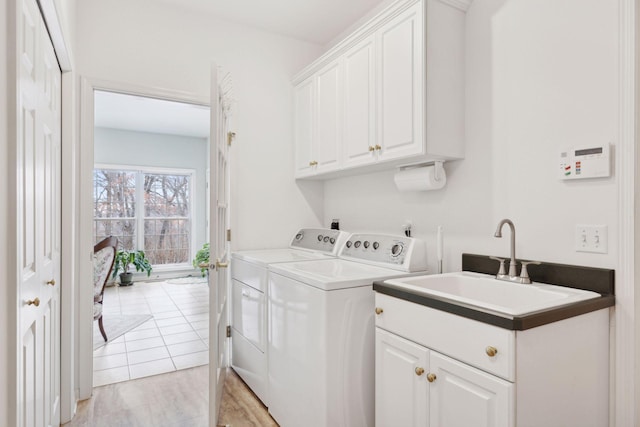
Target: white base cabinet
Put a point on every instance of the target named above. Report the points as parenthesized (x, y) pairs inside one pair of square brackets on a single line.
[(438, 369), (404, 395)]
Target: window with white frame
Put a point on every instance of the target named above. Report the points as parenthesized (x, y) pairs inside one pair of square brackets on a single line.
[(148, 209)]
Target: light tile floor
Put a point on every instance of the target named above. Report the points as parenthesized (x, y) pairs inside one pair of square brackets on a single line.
[(177, 337)]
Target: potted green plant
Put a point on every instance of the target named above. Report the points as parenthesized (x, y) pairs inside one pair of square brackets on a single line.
[(124, 260), (201, 260)]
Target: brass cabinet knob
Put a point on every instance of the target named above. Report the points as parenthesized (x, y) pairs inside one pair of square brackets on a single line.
[(221, 264), (491, 351), (371, 148), (378, 147), (431, 377), (51, 282), (419, 371), (313, 163), (35, 301), (379, 310)]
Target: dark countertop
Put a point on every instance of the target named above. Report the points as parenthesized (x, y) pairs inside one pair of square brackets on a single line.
[(587, 278)]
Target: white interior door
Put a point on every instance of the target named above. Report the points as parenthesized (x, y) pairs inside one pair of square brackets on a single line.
[(219, 258), (38, 212)]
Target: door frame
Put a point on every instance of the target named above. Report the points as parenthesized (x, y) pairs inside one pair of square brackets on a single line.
[(625, 319), (84, 347)]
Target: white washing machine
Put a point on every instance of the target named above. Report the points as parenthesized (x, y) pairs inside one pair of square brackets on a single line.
[(322, 332), (249, 292)]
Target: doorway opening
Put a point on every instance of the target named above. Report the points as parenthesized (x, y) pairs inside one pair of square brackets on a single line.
[(150, 190)]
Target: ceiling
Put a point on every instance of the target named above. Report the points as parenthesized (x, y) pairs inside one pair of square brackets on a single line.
[(136, 113), (316, 21)]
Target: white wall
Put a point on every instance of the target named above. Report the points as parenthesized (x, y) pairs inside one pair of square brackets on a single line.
[(122, 147), (540, 76), (148, 43)]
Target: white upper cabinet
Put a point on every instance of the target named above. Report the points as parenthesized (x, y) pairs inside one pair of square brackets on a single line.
[(303, 126), (318, 121), (329, 118), (400, 86), (359, 107), (390, 94)]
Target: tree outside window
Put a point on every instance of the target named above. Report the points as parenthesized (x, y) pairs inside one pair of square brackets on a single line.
[(156, 203)]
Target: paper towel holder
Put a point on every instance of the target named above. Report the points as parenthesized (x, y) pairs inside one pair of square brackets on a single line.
[(421, 177), (438, 165)]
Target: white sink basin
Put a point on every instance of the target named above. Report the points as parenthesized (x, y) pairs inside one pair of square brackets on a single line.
[(485, 292)]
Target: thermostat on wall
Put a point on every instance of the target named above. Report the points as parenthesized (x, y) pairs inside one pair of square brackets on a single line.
[(585, 162)]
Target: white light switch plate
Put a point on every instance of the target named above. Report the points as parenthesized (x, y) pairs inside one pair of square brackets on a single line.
[(592, 238)]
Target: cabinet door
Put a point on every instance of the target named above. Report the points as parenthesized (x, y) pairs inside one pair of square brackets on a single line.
[(303, 127), (402, 392), (359, 104), (463, 396), (400, 87), (329, 118)]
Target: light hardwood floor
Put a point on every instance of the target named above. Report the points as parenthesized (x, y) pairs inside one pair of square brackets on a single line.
[(177, 399)]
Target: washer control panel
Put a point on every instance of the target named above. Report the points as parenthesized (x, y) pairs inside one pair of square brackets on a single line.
[(319, 239), (399, 252)]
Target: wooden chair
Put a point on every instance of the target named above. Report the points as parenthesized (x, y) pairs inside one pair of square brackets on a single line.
[(104, 255)]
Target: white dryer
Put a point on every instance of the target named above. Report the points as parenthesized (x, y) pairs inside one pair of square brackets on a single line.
[(249, 293), (322, 331)]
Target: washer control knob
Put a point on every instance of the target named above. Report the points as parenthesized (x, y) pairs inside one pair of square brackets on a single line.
[(319, 237), (326, 239), (299, 236), (332, 240), (376, 245), (349, 243), (357, 244), (366, 243), (396, 249)]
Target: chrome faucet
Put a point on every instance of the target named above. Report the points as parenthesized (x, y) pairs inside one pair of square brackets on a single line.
[(498, 233), (512, 276)]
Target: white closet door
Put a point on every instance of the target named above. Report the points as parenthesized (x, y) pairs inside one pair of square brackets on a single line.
[(38, 212)]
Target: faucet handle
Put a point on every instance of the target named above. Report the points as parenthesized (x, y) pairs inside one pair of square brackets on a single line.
[(524, 274), (501, 271)]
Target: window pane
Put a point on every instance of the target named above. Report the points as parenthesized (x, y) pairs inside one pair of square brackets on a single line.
[(114, 193), (123, 229), (166, 208), (166, 195), (167, 241)]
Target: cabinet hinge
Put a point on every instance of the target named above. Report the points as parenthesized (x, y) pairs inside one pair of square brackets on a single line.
[(230, 137), (228, 235), (228, 331)]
